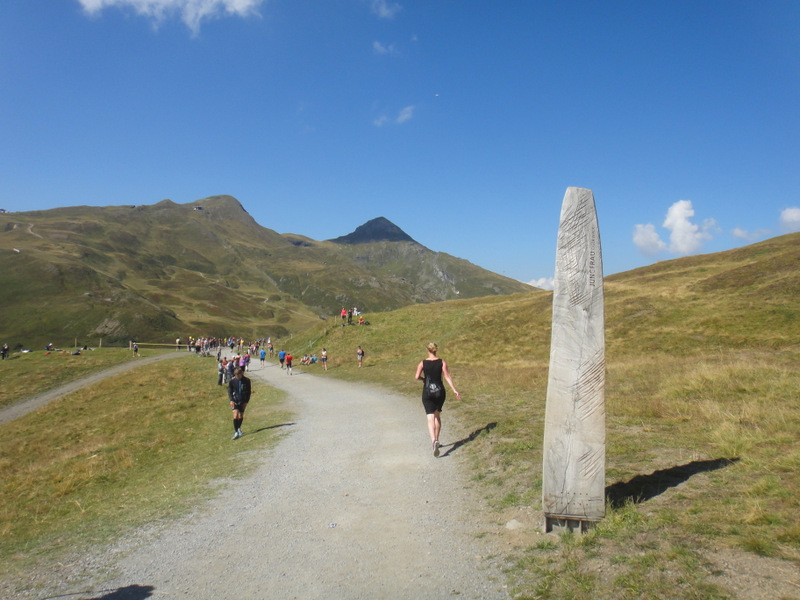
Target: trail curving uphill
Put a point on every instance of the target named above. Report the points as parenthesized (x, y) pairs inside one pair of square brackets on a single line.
[(350, 504), (22, 408)]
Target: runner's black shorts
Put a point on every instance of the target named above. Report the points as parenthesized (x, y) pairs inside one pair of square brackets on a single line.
[(431, 406)]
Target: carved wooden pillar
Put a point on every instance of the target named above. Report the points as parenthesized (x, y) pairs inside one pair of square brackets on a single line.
[(573, 475)]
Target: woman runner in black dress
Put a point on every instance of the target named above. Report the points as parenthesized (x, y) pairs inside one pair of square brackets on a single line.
[(431, 370)]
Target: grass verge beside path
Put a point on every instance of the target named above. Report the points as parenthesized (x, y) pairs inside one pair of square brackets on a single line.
[(26, 375), (131, 449)]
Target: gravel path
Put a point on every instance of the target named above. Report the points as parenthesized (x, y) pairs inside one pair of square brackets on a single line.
[(350, 504)]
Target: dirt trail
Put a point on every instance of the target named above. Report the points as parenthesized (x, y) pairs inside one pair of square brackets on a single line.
[(19, 409), (350, 504)]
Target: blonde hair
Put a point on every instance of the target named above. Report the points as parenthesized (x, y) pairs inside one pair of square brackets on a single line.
[(432, 347)]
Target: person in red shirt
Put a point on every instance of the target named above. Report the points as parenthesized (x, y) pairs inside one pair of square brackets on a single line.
[(289, 363)]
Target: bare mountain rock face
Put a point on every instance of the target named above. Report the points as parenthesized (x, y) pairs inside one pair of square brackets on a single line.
[(376, 230)]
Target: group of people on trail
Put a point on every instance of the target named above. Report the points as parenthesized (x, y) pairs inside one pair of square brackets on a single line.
[(226, 367), (232, 372), (432, 370)]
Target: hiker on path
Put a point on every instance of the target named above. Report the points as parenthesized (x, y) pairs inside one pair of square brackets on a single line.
[(239, 390), (282, 357), (263, 355), (324, 357), (432, 369), (360, 356), (222, 369), (289, 363)]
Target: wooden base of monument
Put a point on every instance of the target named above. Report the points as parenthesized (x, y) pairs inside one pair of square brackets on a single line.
[(566, 524)]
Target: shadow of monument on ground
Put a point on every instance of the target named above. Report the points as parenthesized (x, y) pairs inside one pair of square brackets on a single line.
[(456, 445), (645, 487)]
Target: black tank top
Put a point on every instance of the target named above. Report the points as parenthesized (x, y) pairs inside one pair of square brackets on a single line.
[(433, 370)]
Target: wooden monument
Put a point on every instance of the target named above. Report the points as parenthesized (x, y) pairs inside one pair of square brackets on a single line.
[(573, 474)]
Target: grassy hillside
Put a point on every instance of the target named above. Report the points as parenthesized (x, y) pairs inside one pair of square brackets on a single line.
[(703, 418), (703, 432), (204, 268)]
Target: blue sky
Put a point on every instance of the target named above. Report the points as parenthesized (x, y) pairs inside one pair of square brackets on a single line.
[(463, 122)]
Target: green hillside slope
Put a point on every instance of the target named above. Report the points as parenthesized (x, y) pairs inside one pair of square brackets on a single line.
[(203, 268)]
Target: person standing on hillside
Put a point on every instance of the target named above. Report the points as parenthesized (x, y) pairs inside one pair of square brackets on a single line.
[(431, 370), (360, 356), (239, 390), (4, 351), (344, 315), (324, 357)]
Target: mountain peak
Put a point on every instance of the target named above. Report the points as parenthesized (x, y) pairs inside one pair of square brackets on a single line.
[(376, 230)]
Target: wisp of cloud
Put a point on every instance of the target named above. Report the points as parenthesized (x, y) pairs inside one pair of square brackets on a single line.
[(192, 12)]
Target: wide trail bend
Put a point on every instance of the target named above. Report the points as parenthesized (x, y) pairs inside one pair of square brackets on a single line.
[(350, 504), (27, 405)]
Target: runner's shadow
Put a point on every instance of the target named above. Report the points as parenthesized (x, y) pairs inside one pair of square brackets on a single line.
[(456, 445), (260, 429), (130, 592), (645, 487)]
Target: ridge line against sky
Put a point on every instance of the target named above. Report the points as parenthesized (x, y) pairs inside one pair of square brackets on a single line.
[(462, 123)]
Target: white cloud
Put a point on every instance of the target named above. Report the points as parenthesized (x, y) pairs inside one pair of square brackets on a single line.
[(685, 237), (749, 236), (379, 48), (405, 115), (384, 9), (192, 12), (647, 239), (545, 283), (790, 219)]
